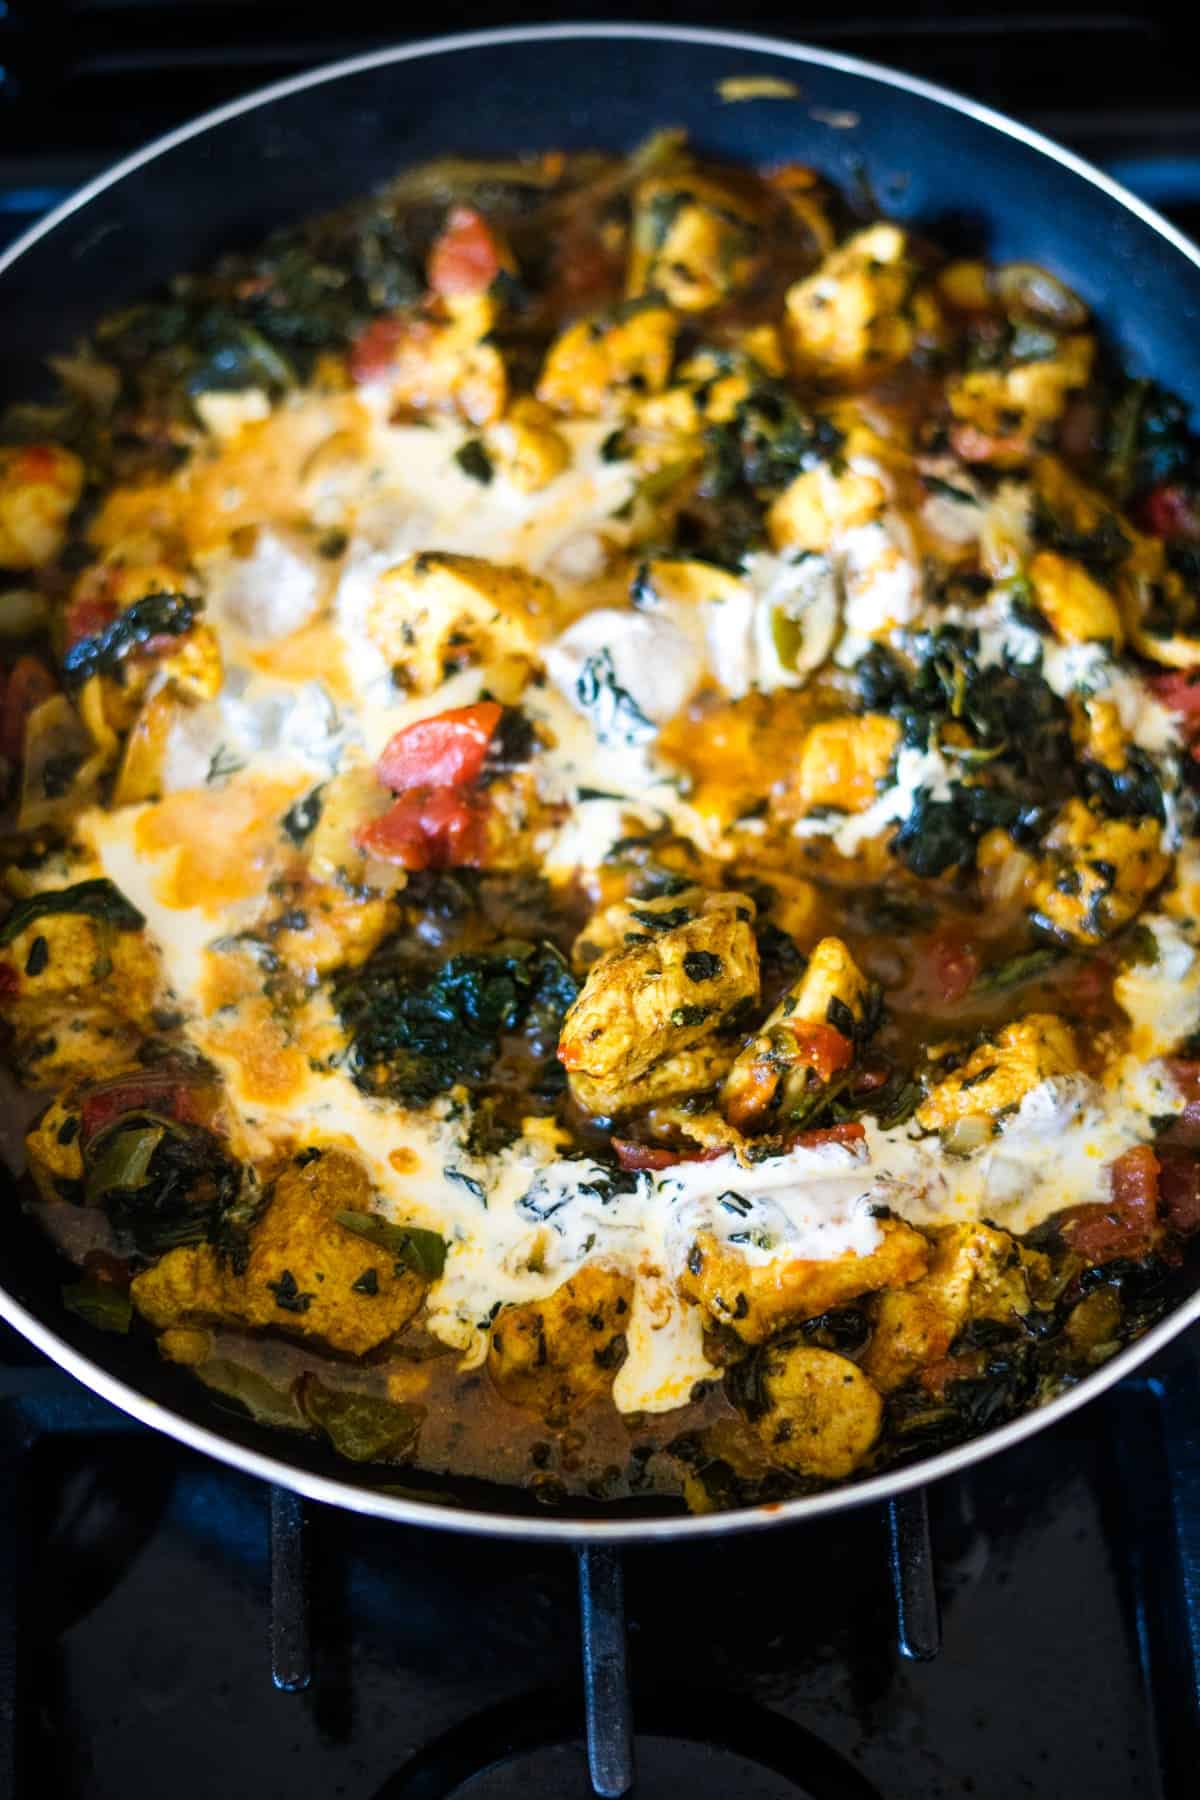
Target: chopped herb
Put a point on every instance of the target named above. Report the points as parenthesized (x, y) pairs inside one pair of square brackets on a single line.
[(158, 615), (473, 1187), (223, 763), (424, 1252), (473, 459), (362, 1427), (333, 544), (97, 899), (616, 716), (288, 1295), (1015, 971), (688, 1016), (38, 958), (301, 818), (702, 965), (615, 447), (101, 1304), (667, 919), (367, 1283)]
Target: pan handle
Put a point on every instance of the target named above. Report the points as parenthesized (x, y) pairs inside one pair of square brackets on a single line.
[(605, 1671)]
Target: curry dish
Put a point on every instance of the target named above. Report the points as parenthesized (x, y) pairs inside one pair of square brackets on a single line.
[(601, 882)]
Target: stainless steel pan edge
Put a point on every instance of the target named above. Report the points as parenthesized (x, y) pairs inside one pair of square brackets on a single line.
[(274, 1465)]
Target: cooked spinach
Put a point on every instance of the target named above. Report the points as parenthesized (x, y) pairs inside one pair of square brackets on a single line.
[(473, 459), (616, 716), (164, 1184), (157, 615), (1147, 440), (416, 1032), (1101, 548), (97, 899)]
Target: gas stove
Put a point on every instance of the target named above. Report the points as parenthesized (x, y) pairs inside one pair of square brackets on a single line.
[(168, 1627)]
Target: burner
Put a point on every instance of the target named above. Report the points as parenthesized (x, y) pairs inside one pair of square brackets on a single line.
[(700, 1744)]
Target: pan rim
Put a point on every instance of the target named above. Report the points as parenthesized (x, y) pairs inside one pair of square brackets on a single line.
[(331, 1490)]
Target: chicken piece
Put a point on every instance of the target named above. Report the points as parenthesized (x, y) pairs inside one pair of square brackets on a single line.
[(660, 995), (843, 762), (436, 611), (631, 921), (976, 1272), (799, 1042), (54, 1152), (998, 1075), (444, 362), (74, 989), (527, 447), (40, 485), (558, 1355), (1096, 873), (696, 239), (306, 1275), (1002, 413), (863, 310), (686, 1072), (820, 503), (1078, 608), (823, 1414), (1097, 730), (756, 1300), (609, 362), (350, 798), (318, 926)]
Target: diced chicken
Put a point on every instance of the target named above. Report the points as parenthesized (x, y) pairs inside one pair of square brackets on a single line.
[(55, 1155), (1001, 413), (756, 1300), (976, 1272), (997, 1075), (559, 1355), (602, 364), (662, 994), (843, 762), (307, 1275), (683, 1073), (443, 363), (40, 486), (696, 240), (527, 446), (436, 610), (76, 991), (1096, 873), (822, 1413), (863, 310), (1078, 608)]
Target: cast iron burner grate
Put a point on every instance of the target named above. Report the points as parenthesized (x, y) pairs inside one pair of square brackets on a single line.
[(112, 1483), (687, 1742)]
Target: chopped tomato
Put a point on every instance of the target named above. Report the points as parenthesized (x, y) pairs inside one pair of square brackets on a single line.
[(38, 462), (1126, 1225), (1179, 1190), (1179, 691), (30, 685), (953, 965), (823, 1048), (632, 1155), (427, 828), (160, 1091), (10, 982), (447, 750), (374, 349), (849, 1134), (1172, 511), (87, 616), (466, 258)]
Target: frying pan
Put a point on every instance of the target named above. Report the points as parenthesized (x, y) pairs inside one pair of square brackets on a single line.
[(974, 179)]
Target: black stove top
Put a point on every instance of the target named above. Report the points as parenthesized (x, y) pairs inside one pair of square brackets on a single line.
[(146, 1596), (171, 1628)]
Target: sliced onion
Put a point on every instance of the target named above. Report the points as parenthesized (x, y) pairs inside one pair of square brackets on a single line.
[(1033, 293), (967, 1135)]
